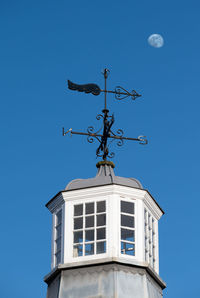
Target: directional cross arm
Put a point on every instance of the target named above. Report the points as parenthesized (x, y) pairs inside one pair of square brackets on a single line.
[(121, 93), (141, 139)]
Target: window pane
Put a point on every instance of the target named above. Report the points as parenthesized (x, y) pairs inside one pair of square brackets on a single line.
[(78, 210), (89, 221), (89, 249), (89, 235), (59, 217), (101, 206), (78, 237), (101, 234), (154, 254), (146, 216), (57, 258), (89, 208), (101, 220), (127, 207), (127, 235), (78, 223), (153, 225), (127, 248), (101, 247), (127, 221), (58, 245), (78, 250), (58, 231)]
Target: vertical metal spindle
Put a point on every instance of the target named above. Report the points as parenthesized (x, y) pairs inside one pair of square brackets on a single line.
[(105, 77)]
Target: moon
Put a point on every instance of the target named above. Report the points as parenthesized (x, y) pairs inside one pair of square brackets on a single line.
[(156, 40)]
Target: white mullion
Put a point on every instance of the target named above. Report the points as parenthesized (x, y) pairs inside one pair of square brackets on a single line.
[(56, 251), (53, 260), (149, 228), (152, 258), (145, 233), (147, 236), (95, 227), (106, 226), (150, 238), (153, 243), (128, 214), (55, 238), (84, 229), (128, 228), (77, 230), (127, 241)]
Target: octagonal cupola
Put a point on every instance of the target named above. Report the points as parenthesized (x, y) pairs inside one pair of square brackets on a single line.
[(105, 218)]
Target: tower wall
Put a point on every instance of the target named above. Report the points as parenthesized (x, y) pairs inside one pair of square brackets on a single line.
[(104, 281)]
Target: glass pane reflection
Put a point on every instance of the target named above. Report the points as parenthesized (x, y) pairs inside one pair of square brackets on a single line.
[(101, 206), (89, 235), (89, 208), (78, 223), (127, 248), (101, 220), (101, 233), (78, 250), (78, 210), (127, 207), (127, 235), (89, 221), (89, 249), (58, 258), (78, 237), (101, 247), (127, 221)]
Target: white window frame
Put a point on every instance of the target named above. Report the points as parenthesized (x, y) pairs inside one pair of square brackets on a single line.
[(54, 238), (150, 239), (134, 201), (84, 202)]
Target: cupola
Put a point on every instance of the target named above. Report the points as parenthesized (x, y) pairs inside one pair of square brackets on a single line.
[(105, 219)]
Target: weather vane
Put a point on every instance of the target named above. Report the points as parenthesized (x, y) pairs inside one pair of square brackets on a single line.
[(105, 133)]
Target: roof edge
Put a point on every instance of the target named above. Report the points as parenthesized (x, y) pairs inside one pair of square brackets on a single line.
[(60, 192), (105, 261)]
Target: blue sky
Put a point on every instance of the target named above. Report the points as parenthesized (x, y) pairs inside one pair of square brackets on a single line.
[(44, 43)]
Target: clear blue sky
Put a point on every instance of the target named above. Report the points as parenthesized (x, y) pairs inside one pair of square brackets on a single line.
[(44, 43)]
